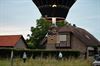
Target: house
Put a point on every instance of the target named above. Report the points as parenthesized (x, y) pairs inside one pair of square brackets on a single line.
[(71, 38), (12, 41)]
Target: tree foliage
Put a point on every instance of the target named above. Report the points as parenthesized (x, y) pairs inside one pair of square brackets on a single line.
[(38, 33)]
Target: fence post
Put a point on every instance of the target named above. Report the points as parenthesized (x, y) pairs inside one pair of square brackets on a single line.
[(41, 54), (12, 52)]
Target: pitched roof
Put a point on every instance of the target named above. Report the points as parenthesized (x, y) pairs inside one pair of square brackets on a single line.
[(9, 40), (65, 29), (86, 37), (83, 35)]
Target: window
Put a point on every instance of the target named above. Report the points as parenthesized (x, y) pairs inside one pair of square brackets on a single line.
[(62, 37), (63, 41)]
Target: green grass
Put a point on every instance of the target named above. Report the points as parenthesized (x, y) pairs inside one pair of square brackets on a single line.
[(46, 62)]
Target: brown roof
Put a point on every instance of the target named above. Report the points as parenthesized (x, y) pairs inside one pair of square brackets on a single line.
[(65, 29), (86, 37), (83, 35), (10, 40)]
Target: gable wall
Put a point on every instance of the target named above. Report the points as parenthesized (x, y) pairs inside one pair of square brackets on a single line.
[(20, 44), (51, 41)]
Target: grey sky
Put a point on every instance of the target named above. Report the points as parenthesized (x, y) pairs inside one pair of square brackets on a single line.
[(17, 16)]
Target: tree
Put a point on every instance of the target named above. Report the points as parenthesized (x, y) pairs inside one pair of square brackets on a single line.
[(38, 33)]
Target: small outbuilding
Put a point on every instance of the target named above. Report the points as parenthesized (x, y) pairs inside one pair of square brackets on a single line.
[(12, 41)]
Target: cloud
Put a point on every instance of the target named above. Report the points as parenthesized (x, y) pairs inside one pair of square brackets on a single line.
[(13, 30)]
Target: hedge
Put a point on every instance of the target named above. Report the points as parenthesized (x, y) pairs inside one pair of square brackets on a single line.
[(6, 52)]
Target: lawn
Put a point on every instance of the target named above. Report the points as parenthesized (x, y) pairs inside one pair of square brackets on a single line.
[(46, 62)]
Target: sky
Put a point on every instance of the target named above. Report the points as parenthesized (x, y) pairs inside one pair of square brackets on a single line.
[(17, 16)]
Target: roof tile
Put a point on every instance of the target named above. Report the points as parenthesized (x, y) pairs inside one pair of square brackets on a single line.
[(9, 40)]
